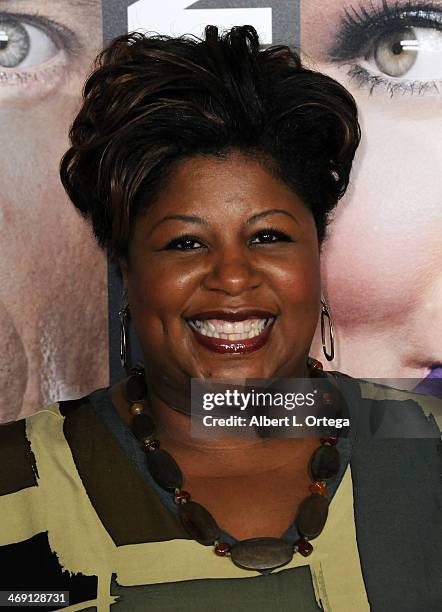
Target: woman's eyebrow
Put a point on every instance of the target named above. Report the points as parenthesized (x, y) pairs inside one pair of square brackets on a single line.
[(271, 211)]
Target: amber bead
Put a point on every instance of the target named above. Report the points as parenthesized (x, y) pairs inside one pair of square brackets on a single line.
[(222, 549), (327, 399), (316, 365), (137, 369), (136, 408), (181, 496), (329, 441), (304, 547), (319, 487)]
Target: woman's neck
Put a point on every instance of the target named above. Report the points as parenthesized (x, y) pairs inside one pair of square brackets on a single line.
[(227, 456)]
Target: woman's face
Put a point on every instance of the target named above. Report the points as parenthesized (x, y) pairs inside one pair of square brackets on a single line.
[(54, 332), (381, 267), (225, 236)]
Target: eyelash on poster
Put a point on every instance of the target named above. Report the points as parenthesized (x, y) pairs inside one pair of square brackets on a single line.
[(362, 78), (360, 27)]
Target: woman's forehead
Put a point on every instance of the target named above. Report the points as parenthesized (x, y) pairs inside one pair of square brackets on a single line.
[(232, 184)]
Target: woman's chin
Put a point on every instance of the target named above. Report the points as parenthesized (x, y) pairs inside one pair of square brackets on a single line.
[(234, 371)]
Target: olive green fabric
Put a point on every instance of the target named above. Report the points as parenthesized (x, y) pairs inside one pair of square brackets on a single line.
[(285, 591), (77, 515)]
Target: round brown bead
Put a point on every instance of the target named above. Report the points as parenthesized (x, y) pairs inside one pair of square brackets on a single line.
[(315, 364), (329, 441), (181, 496), (136, 408), (319, 487), (137, 369), (304, 547), (327, 399), (150, 444), (222, 549)]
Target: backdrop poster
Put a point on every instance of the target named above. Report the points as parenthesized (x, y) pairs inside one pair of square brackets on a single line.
[(53, 282), (381, 268), (381, 263)]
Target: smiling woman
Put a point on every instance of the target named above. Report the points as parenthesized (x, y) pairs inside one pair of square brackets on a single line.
[(208, 169)]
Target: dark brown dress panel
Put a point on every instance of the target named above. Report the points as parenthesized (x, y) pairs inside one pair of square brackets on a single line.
[(129, 509), (17, 462)]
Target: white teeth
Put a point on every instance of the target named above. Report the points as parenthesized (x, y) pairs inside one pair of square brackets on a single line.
[(239, 330)]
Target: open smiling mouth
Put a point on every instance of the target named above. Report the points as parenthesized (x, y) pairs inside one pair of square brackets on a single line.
[(233, 334)]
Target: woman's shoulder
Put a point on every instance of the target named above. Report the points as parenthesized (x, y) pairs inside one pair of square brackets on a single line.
[(395, 468), (45, 427)]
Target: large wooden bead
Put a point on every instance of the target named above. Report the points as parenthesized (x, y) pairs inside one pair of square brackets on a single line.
[(136, 389), (312, 516), (325, 463), (143, 426), (164, 469), (199, 523), (261, 553)]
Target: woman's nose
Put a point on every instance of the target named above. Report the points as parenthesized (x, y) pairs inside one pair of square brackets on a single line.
[(232, 273)]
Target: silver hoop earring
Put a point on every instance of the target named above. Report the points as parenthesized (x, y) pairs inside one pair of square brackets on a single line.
[(124, 315), (326, 314)]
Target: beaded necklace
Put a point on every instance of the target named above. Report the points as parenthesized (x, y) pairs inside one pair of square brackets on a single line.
[(258, 554)]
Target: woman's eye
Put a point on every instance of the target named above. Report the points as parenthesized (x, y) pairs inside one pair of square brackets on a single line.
[(399, 49), (184, 243), (23, 45), (269, 236), (414, 53)]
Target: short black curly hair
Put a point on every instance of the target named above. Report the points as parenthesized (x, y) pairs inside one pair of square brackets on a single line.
[(152, 101)]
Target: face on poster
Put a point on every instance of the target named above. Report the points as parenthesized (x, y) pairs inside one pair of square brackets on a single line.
[(381, 271), (53, 300)]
